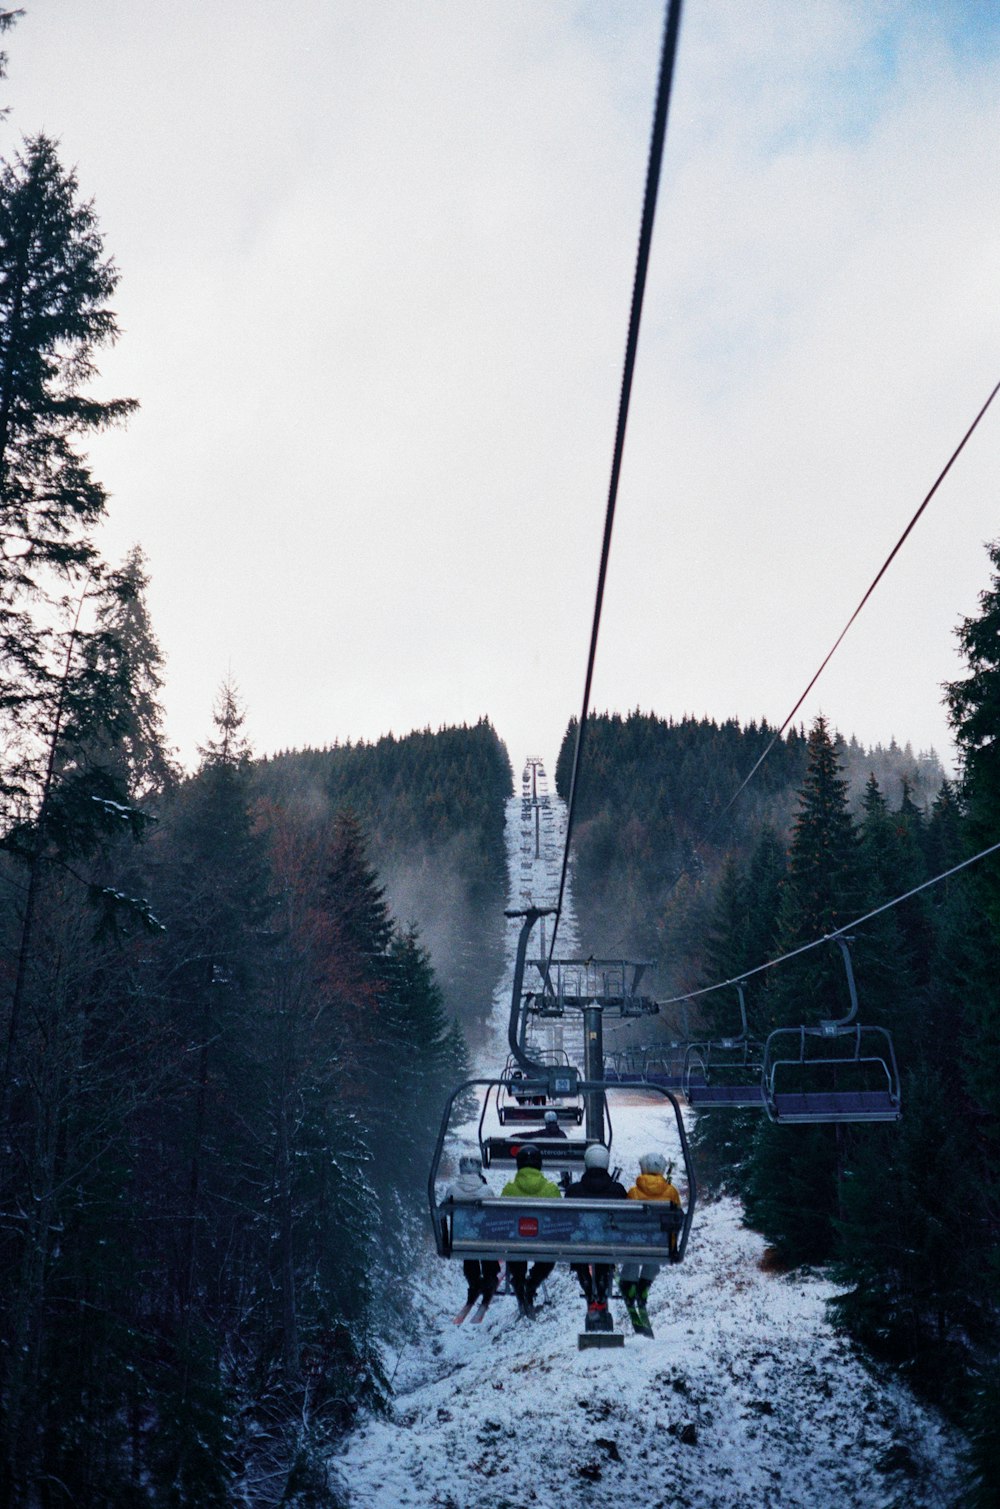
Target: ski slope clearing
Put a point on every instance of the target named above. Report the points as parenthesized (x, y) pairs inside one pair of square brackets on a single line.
[(746, 1396)]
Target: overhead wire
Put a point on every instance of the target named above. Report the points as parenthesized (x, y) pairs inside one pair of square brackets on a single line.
[(844, 631), (668, 56), (665, 80), (840, 932), (717, 821)]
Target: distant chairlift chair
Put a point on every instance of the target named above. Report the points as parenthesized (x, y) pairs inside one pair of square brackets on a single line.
[(727, 1071), (527, 1111), (836, 1071)]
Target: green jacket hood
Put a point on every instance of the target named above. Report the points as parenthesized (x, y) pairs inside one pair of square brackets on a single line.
[(531, 1184)]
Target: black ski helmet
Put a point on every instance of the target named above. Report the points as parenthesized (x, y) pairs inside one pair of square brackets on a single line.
[(529, 1156)]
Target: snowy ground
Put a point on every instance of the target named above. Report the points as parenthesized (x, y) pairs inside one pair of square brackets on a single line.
[(746, 1397)]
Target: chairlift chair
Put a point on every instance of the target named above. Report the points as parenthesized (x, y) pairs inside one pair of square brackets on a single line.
[(727, 1071), (835, 1071), (523, 1102), (571, 1231), (558, 1153), (663, 1067)]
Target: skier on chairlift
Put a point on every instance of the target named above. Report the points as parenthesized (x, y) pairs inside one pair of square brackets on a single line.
[(653, 1183), (550, 1129), (596, 1183), (529, 1183), (482, 1277)]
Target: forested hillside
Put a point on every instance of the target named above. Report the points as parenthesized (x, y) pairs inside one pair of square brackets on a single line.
[(208, 1211), (432, 808), (654, 827), (222, 1051), (906, 1213)]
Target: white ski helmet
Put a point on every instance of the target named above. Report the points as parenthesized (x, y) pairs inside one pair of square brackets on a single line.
[(653, 1163), (596, 1156)]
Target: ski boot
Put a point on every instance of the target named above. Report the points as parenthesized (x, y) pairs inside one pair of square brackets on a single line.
[(644, 1328)]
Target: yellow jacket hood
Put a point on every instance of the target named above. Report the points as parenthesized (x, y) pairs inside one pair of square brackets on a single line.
[(654, 1187)]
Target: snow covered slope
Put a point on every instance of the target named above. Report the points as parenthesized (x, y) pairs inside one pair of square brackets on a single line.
[(746, 1396)]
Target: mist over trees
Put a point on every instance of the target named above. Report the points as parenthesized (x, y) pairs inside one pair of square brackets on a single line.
[(654, 830), (432, 806)]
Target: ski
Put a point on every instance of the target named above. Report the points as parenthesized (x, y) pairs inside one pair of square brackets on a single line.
[(641, 1322), (484, 1305), (465, 1310)]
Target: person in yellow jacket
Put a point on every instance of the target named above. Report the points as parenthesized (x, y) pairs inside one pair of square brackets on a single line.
[(529, 1183), (652, 1183)]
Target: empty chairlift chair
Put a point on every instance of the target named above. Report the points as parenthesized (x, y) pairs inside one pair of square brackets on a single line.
[(727, 1071), (662, 1066), (835, 1071)]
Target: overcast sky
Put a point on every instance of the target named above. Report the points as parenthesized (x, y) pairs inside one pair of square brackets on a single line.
[(376, 263)]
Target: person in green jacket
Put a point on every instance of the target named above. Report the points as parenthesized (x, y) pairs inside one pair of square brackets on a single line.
[(529, 1183)]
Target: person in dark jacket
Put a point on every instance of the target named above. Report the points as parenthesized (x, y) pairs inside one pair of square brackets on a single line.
[(550, 1129), (596, 1183)]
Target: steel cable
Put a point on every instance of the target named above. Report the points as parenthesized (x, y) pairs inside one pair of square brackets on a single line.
[(664, 83), (840, 932), (843, 633)]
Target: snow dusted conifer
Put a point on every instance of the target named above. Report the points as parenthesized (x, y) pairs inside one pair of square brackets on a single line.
[(792, 1185), (128, 644), (974, 707)]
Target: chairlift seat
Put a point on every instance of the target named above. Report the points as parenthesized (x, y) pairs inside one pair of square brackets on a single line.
[(732, 1096), (666, 1079), (556, 1152), (835, 1105), (563, 1231), (525, 1115)]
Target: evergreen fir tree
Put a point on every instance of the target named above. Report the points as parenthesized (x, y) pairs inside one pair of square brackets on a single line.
[(128, 645), (974, 704), (910, 1237), (791, 1189), (54, 286), (743, 935), (202, 1162), (973, 908)]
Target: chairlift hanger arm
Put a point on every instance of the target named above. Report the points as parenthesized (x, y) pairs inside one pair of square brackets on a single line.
[(842, 944), (468, 1084), (743, 1010), (531, 916)]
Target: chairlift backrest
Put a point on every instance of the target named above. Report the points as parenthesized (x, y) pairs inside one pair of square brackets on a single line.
[(574, 1231)]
